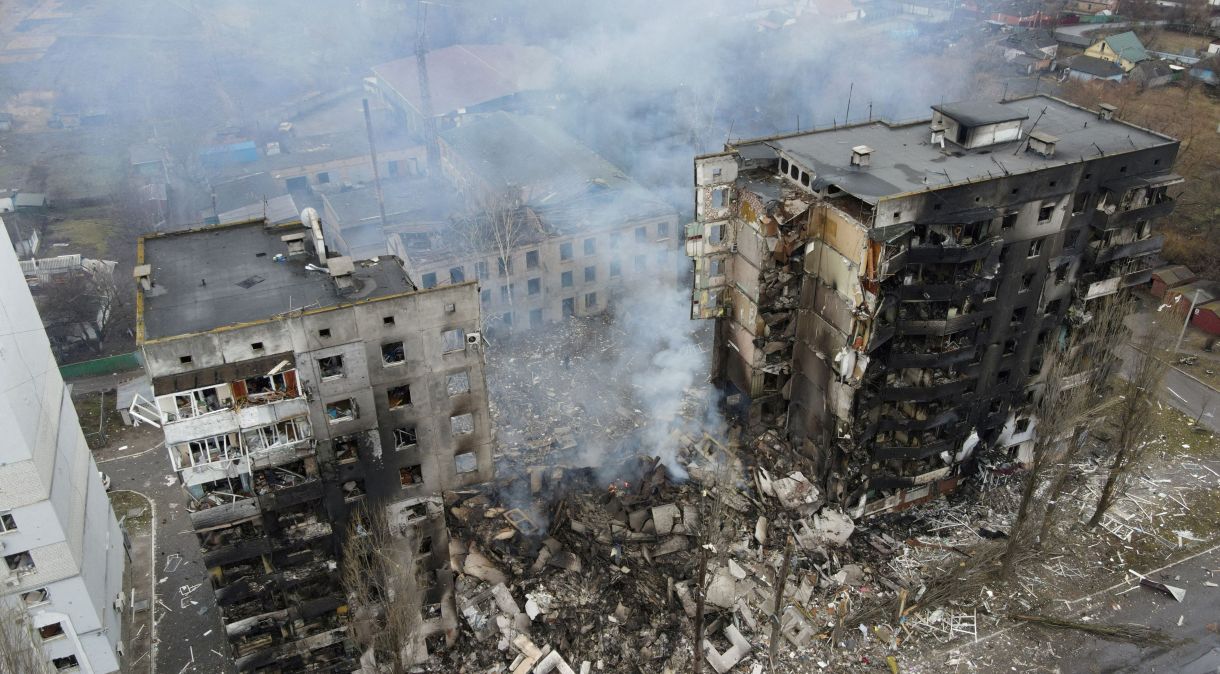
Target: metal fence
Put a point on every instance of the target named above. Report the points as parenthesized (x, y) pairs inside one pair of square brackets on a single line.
[(101, 366)]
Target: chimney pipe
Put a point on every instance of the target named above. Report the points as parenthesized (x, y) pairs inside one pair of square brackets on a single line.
[(309, 217)]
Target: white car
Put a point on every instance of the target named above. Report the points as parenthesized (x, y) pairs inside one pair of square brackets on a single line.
[(105, 480)]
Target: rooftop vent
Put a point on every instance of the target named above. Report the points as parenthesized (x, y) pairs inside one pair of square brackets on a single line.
[(938, 134), (341, 269), (861, 155), (1106, 111), (1042, 143), (295, 243), (143, 275)]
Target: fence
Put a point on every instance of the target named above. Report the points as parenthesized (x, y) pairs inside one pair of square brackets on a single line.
[(101, 366)]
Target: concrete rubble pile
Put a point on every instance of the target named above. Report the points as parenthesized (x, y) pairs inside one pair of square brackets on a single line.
[(594, 570)]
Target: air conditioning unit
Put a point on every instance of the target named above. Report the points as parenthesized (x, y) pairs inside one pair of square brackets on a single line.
[(473, 338), (733, 247)]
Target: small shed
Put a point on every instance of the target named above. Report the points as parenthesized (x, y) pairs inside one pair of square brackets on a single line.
[(30, 200), (1199, 292), (1171, 277), (1207, 318)]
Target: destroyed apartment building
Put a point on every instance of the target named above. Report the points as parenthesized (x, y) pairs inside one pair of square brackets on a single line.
[(885, 292), (294, 386)]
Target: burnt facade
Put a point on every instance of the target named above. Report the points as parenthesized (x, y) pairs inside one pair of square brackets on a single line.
[(294, 388), (887, 291)]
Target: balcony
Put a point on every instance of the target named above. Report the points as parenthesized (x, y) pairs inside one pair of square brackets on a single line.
[(945, 326), (885, 452), (942, 292), (236, 552), (268, 412), (900, 422), (1102, 254), (224, 514), (1117, 220), (951, 254), (943, 358), (287, 496), (905, 392)]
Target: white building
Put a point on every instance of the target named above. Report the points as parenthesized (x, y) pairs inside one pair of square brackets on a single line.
[(62, 548)]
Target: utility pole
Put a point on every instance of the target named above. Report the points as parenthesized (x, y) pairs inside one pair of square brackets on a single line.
[(431, 145), (368, 125), (1189, 314)]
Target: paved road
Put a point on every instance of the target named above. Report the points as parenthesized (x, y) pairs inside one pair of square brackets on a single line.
[(1186, 394), (1199, 613), (190, 637)]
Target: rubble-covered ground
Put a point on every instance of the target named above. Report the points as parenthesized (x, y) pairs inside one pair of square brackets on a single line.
[(567, 563)]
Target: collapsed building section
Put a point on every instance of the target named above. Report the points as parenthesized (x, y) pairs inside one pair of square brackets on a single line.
[(295, 388), (885, 292)]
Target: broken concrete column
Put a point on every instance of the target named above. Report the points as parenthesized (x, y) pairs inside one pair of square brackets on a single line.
[(833, 527)]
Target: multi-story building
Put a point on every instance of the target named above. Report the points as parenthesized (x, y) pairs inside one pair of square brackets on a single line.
[(292, 387), (563, 232), (888, 290), (64, 554)]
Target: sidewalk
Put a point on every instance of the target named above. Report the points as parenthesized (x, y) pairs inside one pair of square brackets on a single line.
[(138, 514)]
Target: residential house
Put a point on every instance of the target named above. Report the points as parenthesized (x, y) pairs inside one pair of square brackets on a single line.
[(24, 232), (1123, 49), (1149, 74), (1170, 277)]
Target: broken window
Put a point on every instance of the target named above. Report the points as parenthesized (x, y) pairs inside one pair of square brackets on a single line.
[(641, 234), (1022, 424), (331, 366), (720, 197), (453, 340), (466, 462), (1027, 281), (461, 424), (185, 360), (565, 251), (1052, 307), (387, 320), (405, 438), (1002, 377), (535, 318), (534, 286), (503, 266), (1080, 201), (7, 523), (1018, 315), (480, 269), (1035, 248), (531, 259), (353, 490), (207, 450), (590, 274), (425, 545), (429, 280), (1009, 221), (569, 307), (65, 663), (256, 346), (715, 267), (398, 396), (716, 234), (36, 597), (566, 279), (457, 275), (20, 563), (590, 246), (347, 449), (324, 332), (1045, 213), (1035, 367), (52, 631), (616, 269), (590, 300), (323, 177), (393, 353), (458, 383), (411, 475), (341, 410)]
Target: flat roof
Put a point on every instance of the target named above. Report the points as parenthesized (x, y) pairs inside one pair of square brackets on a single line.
[(223, 275), (465, 75), (905, 160)]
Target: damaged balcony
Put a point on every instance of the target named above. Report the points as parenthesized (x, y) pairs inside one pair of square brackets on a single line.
[(931, 351), (289, 485), (1103, 251), (1105, 221), (952, 253), (302, 525), (940, 318), (926, 388)]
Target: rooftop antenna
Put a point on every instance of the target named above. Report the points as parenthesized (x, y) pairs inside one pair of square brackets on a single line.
[(847, 117), (729, 135), (1025, 141), (425, 90), (368, 125), (1099, 150), (798, 122), (870, 111), (997, 162), (1004, 96)]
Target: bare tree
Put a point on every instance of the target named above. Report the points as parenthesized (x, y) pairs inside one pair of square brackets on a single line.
[(1054, 414), (1096, 342), (497, 223), (379, 576), (85, 306), (1146, 362), (20, 651)]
